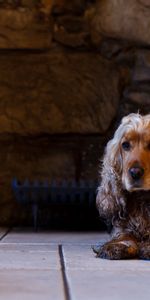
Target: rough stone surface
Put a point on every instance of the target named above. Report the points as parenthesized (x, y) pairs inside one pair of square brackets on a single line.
[(67, 68), (121, 19), (137, 91), (26, 24), (22, 28), (59, 92)]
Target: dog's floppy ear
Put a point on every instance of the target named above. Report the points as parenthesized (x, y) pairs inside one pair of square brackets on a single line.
[(112, 161), (113, 158), (110, 200), (109, 196)]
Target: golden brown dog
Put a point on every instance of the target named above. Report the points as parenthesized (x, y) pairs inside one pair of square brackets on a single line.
[(123, 197)]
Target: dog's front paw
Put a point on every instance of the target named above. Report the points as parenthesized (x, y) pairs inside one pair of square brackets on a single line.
[(117, 250)]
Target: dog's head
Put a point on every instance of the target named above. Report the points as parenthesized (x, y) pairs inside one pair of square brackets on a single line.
[(129, 152)]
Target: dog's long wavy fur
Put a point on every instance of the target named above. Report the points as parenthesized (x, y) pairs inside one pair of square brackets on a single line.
[(113, 201)]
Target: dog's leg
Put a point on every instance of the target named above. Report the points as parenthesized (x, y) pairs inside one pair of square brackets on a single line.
[(144, 250), (123, 247)]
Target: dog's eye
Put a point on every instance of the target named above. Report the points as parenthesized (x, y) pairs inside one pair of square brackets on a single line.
[(126, 146)]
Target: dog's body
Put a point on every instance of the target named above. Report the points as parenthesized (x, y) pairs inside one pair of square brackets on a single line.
[(123, 197)]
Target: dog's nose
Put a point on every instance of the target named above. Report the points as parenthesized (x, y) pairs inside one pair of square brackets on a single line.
[(136, 172)]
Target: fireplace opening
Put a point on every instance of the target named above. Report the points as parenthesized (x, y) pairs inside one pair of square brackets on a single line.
[(66, 204), (66, 197)]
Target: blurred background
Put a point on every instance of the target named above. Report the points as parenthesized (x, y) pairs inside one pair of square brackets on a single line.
[(69, 71)]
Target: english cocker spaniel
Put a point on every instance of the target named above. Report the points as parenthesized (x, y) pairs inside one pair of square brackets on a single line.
[(123, 197)]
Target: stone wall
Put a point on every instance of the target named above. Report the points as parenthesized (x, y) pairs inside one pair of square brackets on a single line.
[(69, 71)]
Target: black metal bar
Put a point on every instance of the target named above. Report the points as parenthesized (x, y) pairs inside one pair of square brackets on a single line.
[(65, 194)]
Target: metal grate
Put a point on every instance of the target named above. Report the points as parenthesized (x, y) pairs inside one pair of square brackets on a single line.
[(75, 199)]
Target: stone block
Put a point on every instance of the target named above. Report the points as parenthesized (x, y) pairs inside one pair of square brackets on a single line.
[(125, 20), (57, 92), (31, 284), (22, 28)]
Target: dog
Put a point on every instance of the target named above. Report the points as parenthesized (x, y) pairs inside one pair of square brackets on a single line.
[(123, 197)]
